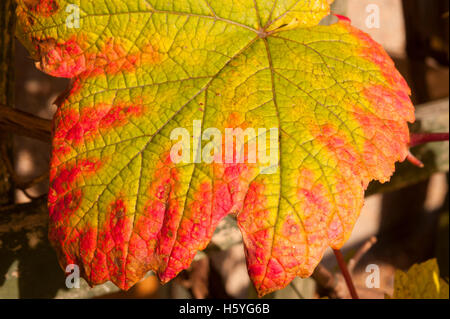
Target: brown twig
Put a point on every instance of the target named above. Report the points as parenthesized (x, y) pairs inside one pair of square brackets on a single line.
[(360, 253), (17, 208), (326, 281), (28, 184), (32, 197), (25, 124), (345, 273), (17, 217), (296, 291)]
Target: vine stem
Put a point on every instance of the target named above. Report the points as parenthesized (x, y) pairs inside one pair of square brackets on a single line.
[(348, 278), (423, 138), (25, 124)]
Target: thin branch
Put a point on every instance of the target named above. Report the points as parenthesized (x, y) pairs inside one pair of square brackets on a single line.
[(297, 292), (32, 197), (18, 217), (28, 184), (17, 208), (326, 281), (25, 124), (360, 253), (423, 138), (345, 273)]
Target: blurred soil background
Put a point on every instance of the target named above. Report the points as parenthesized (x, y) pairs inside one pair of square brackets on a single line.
[(410, 222)]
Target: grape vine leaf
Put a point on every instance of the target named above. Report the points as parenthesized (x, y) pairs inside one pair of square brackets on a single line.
[(120, 207), (421, 281)]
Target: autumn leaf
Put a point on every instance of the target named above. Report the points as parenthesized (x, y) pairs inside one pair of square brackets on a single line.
[(119, 206), (421, 281)]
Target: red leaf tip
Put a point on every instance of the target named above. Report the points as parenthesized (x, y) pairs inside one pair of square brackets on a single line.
[(343, 18)]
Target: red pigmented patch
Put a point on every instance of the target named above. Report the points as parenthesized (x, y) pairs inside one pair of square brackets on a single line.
[(114, 235), (271, 258), (74, 128), (45, 8), (385, 127), (113, 58), (374, 52), (64, 198), (380, 143), (254, 220), (65, 60), (155, 230), (343, 148), (212, 201), (313, 196), (69, 59), (88, 241), (119, 114), (387, 132), (118, 225), (62, 209)]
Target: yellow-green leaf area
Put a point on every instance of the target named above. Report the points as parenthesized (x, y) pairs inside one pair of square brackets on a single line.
[(120, 206)]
